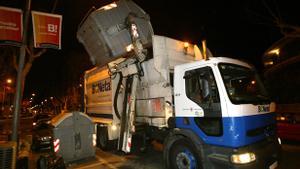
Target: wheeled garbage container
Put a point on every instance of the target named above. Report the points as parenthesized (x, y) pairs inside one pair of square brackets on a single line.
[(73, 136)]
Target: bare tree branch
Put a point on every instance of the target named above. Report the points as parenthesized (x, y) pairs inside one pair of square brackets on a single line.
[(278, 11), (27, 68), (275, 20), (32, 57), (269, 10), (290, 27), (54, 6), (39, 53), (256, 14), (289, 30), (28, 51)]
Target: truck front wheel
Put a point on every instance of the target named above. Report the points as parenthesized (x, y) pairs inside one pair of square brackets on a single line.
[(183, 155)]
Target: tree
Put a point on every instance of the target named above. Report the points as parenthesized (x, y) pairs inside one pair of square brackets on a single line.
[(72, 100), (286, 29)]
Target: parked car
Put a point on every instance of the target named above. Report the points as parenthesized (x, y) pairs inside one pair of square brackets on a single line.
[(42, 136), (41, 118), (288, 126)]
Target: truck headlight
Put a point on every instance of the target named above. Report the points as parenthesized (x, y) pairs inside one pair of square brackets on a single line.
[(243, 158), (279, 140), (94, 140), (114, 127)]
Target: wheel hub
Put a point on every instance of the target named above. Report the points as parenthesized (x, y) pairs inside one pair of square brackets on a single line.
[(185, 160)]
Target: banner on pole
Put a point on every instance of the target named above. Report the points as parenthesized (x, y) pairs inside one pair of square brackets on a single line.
[(11, 26), (46, 30)]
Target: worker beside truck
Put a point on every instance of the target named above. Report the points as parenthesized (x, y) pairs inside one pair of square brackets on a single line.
[(209, 112)]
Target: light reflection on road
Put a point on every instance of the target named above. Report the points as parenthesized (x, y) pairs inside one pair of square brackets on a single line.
[(154, 160)]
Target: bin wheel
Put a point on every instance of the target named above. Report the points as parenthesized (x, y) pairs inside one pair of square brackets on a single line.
[(183, 155), (42, 162)]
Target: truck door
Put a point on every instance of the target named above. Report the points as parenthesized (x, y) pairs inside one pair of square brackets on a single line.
[(201, 95), (201, 83)]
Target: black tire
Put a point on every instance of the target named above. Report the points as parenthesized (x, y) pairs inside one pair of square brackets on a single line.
[(22, 163), (42, 162), (183, 155), (34, 147), (102, 138)]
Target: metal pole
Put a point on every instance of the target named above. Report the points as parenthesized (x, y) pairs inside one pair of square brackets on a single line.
[(20, 78)]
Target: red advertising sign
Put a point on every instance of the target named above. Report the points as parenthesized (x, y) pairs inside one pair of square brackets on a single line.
[(46, 30), (11, 24)]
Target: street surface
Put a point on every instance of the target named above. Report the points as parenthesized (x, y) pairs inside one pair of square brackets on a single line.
[(109, 160), (290, 155), (153, 159), (113, 160)]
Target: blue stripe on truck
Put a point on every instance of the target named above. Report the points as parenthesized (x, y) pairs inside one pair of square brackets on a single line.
[(235, 130)]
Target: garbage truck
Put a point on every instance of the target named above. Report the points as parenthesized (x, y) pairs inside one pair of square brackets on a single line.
[(209, 112)]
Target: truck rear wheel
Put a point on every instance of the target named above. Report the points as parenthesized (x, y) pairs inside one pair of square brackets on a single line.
[(102, 138), (183, 155)]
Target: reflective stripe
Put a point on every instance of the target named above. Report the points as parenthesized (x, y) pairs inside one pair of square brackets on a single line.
[(56, 145)]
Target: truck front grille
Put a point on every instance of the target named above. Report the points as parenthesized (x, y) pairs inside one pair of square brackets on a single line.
[(268, 130)]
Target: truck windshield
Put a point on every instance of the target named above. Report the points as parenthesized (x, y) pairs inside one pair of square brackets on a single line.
[(243, 85)]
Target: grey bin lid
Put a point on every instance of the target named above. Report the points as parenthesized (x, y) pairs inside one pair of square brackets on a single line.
[(59, 119), (105, 33)]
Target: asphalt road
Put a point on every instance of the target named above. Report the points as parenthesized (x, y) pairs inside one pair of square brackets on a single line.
[(290, 155), (152, 159), (111, 160)]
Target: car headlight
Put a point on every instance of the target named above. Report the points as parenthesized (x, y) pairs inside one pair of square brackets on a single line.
[(46, 138), (281, 118), (243, 158)]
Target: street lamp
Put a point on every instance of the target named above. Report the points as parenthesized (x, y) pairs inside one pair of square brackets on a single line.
[(8, 81)]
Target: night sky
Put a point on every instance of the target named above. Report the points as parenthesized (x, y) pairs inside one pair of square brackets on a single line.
[(234, 28)]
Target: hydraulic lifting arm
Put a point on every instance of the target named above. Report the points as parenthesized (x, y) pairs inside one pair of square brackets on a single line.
[(131, 70)]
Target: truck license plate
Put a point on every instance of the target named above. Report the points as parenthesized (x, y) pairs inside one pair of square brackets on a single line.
[(274, 165)]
